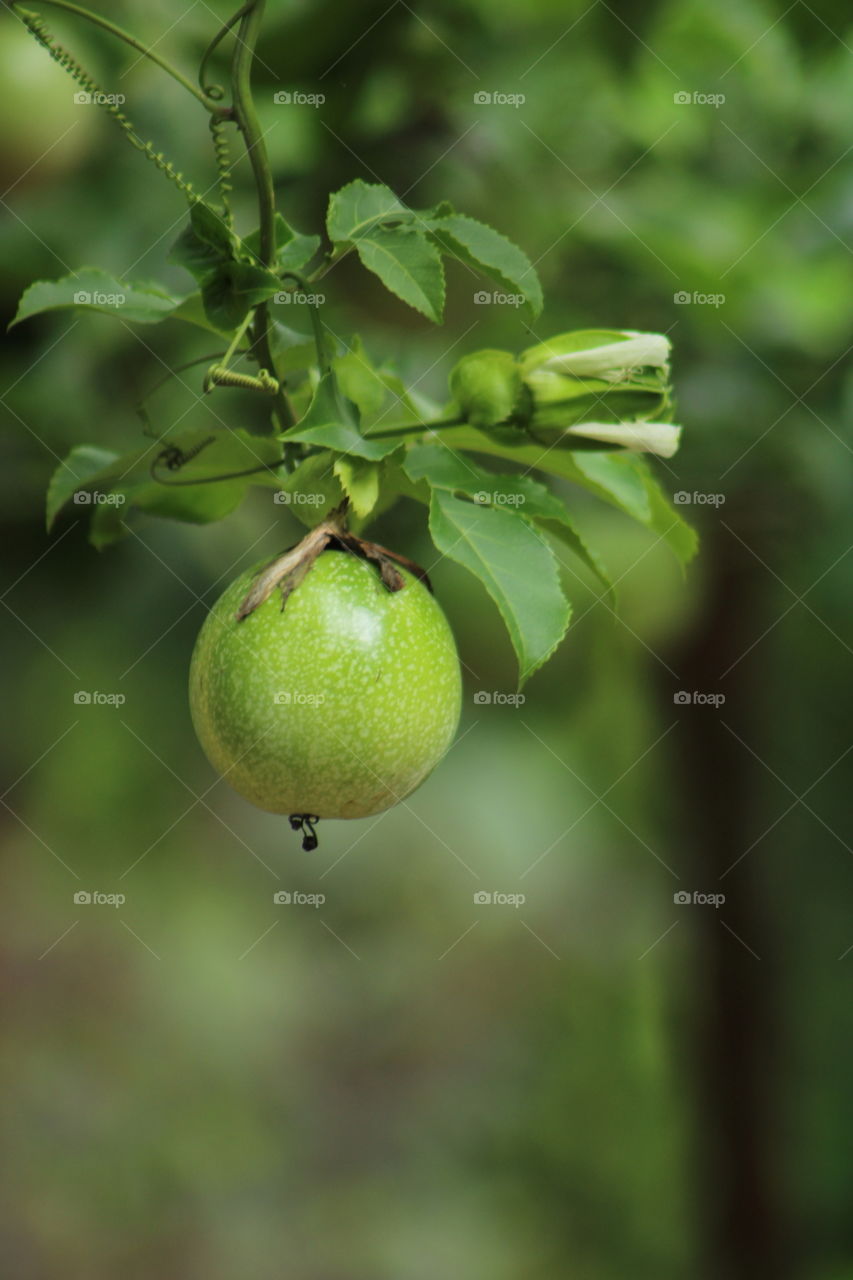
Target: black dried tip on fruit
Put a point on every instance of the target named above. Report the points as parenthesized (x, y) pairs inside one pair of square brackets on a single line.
[(305, 822)]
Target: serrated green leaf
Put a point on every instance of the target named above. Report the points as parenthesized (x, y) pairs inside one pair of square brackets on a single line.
[(83, 464), (360, 482), (90, 289), (444, 469), (486, 250), (408, 265), (620, 478), (622, 488), (361, 206), (515, 564), (331, 421), (343, 438), (293, 249), (396, 483)]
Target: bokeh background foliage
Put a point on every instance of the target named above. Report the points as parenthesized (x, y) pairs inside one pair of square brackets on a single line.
[(401, 1083)]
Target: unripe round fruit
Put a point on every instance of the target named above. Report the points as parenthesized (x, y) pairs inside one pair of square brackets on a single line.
[(337, 706)]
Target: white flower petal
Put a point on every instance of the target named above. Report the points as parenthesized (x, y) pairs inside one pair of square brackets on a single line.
[(639, 351), (660, 438)]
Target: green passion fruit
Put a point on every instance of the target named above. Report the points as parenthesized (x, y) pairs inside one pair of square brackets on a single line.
[(337, 704)]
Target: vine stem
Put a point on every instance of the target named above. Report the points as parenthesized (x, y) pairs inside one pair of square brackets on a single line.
[(249, 126), (392, 432), (215, 108)]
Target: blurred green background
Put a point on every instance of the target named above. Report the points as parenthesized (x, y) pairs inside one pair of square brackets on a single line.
[(401, 1084)]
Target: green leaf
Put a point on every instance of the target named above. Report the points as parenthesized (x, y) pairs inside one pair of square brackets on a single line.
[(360, 482), (205, 245), (343, 438), (191, 310), (229, 287), (486, 250), (331, 421), (360, 382), (667, 521), (408, 265), (444, 469), (620, 478), (229, 294), (617, 476), (124, 483), (293, 250), (92, 290), (291, 350), (361, 206), (312, 490), (515, 564), (83, 464), (210, 227), (297, 253)]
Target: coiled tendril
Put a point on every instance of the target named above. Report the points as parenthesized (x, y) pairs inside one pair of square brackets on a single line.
[(69, 63), (222, 154)]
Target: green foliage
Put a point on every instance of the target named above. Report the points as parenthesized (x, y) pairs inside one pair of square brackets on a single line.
[(579, 406), (404, 247), (516, 566), (231, 283), (92, 290), (113, 485)]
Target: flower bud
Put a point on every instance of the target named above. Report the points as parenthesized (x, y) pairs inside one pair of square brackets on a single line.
[(595, 386), (487, 387)]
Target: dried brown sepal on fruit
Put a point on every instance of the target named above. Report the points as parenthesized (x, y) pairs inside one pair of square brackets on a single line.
[(288, 570)]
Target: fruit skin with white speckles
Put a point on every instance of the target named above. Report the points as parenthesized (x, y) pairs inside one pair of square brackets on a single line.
[(340, 705)]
